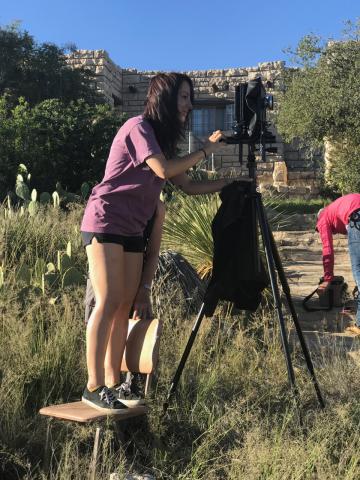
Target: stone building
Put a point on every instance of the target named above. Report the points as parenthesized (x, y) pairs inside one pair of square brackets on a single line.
[(287, 171)]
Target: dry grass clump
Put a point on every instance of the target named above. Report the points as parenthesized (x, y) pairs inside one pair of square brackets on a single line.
[(25, 238)]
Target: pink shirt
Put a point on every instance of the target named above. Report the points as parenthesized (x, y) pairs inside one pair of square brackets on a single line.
[(333, 219), (126, 198)]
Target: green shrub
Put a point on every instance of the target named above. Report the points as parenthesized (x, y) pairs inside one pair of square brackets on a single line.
[(57, 142), (320, 102)]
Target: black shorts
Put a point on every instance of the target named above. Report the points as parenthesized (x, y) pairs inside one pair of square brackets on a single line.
[(130, 244)]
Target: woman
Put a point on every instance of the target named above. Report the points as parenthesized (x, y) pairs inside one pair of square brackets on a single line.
[(141, 159), (128, 392)]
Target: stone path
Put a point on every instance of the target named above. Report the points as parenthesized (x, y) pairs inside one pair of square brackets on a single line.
[(301, 256)]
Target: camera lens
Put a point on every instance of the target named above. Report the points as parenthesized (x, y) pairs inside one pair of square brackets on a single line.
[(269, 102)]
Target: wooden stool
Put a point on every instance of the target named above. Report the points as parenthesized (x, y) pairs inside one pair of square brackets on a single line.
[(140, 356)]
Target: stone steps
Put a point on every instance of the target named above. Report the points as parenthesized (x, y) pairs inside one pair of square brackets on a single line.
[(301, 255), (306, 238)]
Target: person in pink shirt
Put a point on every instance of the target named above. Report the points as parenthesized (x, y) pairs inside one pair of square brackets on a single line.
[(341, 216), (141, 159)]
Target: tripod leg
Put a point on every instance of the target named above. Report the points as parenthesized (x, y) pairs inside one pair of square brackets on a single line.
[(286, 289), (184, 357), (275, 290)]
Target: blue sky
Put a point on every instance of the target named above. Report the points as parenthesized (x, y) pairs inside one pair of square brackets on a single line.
[(184, 34)]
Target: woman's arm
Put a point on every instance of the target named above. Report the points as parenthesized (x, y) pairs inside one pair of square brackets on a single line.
[(198, 187), (166, 169), (142, 303), (325, 232), (153, 246)]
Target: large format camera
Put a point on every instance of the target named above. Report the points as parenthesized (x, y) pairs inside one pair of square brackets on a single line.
[(251, 103)]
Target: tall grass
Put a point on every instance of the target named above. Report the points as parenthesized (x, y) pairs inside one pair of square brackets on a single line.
[(233, 416)]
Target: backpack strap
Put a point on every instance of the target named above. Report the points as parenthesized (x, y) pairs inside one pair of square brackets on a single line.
[(317, 309)]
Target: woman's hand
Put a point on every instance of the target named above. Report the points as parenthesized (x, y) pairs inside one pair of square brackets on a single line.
[(212, 143), (142, 305)]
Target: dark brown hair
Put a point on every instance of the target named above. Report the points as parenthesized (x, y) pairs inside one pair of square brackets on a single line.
[(161, 109)]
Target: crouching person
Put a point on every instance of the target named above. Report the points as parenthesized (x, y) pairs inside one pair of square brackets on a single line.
[(341, 216)]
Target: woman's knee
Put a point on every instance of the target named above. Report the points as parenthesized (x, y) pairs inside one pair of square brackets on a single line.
[(109, 306)]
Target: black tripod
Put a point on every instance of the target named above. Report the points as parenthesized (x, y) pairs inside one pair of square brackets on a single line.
[(273, 261)]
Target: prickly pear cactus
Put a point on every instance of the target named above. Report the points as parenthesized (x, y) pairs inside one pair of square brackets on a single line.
[(56, 199), (23, 274), (39, 270), (59, 188), (33, 208), (68, 249), (72, 276), (34, 195), (22, 190), (45, 198), (50, 267), (50, 279), (63, 261)]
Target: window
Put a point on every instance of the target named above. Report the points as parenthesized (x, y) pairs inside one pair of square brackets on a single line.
[(209, 118), (229, 116)]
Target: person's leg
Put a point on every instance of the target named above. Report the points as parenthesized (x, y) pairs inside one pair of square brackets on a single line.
[(107, 274), (89, 300), (354, 252), (118, 334)]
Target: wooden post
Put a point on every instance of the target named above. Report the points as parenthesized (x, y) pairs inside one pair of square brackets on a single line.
[(95, 455), (47, 453)]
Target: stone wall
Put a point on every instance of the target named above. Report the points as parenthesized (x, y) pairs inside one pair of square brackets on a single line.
[(108, 77), (126, 90)]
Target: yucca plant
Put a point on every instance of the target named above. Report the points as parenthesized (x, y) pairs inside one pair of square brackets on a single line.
[(187, 229)]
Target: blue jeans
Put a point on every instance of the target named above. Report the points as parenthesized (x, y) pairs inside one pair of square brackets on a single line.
[(353, 230)]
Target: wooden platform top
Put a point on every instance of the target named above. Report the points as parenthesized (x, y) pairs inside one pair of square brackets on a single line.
[(81, 412)]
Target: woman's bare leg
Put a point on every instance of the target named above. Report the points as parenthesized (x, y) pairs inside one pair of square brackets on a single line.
[(107, 274), (133, 263)]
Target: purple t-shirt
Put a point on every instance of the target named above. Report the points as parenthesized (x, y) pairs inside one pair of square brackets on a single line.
[(126, 198)]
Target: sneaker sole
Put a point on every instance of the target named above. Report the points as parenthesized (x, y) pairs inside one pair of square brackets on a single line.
[(133, 403), (110, 411)]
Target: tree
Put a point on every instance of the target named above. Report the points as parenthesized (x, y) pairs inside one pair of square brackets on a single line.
[(321, 103), (58, 142), (39, 71)]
